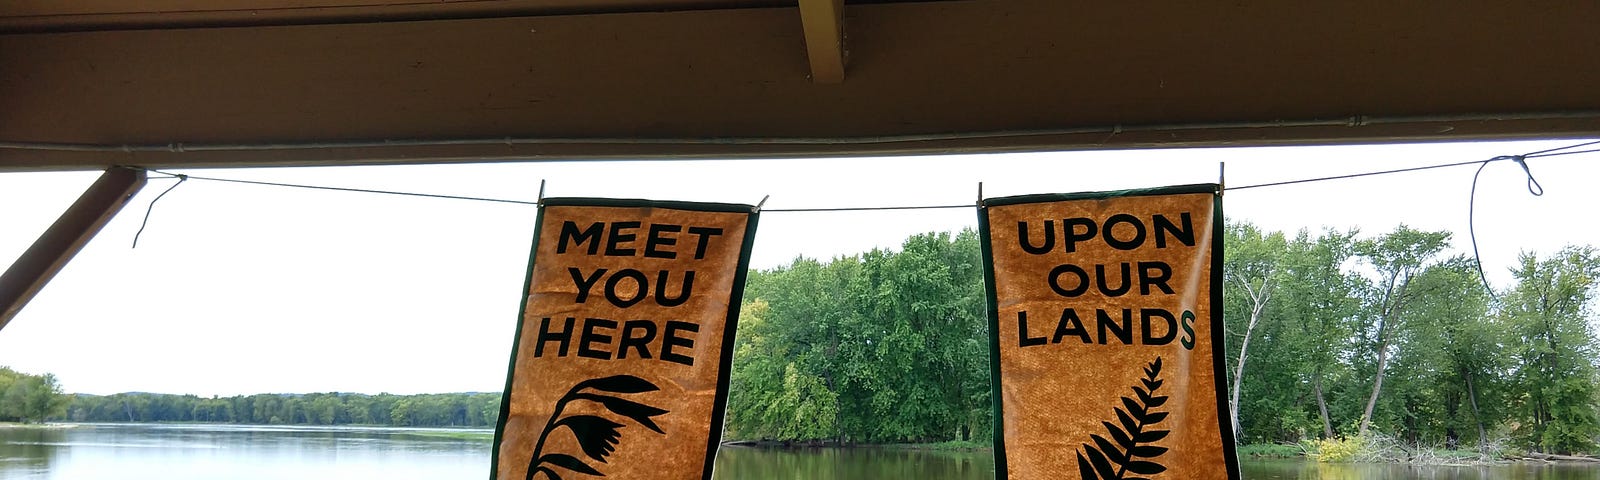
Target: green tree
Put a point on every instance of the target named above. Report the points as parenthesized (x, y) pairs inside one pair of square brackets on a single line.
[(1447, 351), (891, 344), (1251, 278), (30, 398), (1397, 258), (1548, 315), (1321, 298)]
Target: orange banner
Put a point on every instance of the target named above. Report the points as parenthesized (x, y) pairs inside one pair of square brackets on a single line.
[(620, 369), (1103, 318)]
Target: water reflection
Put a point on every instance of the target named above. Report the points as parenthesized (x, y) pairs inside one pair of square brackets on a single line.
[(206, 452), (1303, 470), (140, 452), (28, 450), (752, 463)]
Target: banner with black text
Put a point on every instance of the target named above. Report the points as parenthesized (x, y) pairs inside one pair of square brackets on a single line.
[(620, 366), (1105, 320)]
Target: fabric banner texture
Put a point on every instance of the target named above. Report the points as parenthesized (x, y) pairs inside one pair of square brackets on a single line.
[(620, 365), (1105, 322)]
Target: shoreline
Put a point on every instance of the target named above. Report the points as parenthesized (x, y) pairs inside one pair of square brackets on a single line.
[(948, 446), (38, 426)]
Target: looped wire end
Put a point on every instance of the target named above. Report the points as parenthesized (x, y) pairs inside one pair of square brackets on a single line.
[(1533, 184)]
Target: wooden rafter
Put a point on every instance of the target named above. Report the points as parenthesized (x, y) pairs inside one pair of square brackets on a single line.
[(65, 238), (824, 32)]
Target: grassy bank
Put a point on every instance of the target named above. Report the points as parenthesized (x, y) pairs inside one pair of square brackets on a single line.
[(950, 446), (452, 434), (1271, 450), (40, 426), (1380, 449)]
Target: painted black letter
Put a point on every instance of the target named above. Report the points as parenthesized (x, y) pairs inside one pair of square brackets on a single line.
[(640, 343), (569, 231), (1055, 280), (611, 287), (700, 243), (671, 339), (683, 296), (1163, 273), (1100, 279), (589, 337), (1049, 238), (564, 337), (1184, 234), (656, 240), (1138, 232), (1023, 340), (1123, 332), (618, 237), (584, 284), (1070, 235), (1147, 332)]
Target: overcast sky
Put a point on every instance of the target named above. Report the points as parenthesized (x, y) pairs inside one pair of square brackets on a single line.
[(238, 289)]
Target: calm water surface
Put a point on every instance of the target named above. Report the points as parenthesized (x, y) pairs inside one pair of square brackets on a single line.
[(196, 452)]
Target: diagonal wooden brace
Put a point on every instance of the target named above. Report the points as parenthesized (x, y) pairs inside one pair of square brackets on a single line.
[(824, 30), (66, 237)]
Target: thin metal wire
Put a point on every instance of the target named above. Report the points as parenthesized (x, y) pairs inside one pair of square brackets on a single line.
[(1546, 153), (1354, 175), (1472, 230), (864, 209), (1533, 185), (152, 206), (346, 189), (1563, 153)]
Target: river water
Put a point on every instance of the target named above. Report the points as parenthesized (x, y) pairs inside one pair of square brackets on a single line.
[(196, 452)]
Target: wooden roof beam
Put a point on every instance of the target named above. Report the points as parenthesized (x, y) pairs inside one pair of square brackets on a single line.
[(824, 31), (51, 252)]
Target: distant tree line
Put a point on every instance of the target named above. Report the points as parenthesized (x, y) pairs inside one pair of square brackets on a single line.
[(428, 410), (29, 398), (1330, 334)]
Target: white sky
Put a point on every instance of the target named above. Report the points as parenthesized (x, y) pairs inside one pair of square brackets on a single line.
[(238, 289)]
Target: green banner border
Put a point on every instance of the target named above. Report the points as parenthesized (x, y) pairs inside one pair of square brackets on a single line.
[(997, 418), (719, 406), (1219, 350), (1218, 335)]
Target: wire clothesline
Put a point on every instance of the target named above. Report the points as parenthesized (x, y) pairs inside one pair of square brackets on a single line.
[(1520, 159)]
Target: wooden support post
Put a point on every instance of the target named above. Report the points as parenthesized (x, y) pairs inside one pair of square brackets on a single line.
[(824, 31), (65, 238)]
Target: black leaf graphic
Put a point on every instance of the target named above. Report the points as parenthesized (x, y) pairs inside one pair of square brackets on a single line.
[(597, 436), (1129, 450), (549, 473), (618, 384), (637, 411)]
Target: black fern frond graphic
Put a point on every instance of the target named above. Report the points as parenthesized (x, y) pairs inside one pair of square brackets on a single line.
[(1130, 442), (596, 435)]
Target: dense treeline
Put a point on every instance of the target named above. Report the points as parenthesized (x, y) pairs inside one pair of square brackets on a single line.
[(429, 410), (880, 347), (1329, 335), (29, 398), (1338, 335)]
